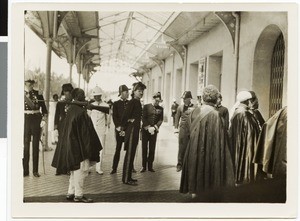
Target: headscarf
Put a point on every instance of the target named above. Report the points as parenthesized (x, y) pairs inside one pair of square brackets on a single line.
[(242, 96)]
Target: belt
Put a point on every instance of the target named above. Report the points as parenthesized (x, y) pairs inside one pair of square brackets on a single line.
[(32, 112)]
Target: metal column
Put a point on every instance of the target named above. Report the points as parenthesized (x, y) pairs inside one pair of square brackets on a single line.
[(47, 85), (70, 73)]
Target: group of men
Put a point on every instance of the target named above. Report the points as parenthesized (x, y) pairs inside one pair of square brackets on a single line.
[(81, 128), (218, 148)]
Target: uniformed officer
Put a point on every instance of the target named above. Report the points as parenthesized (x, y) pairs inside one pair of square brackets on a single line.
[(174, 108), (60, 114), (117, 113), (35, 111), (152, 119), (181, 118), (131, 124)]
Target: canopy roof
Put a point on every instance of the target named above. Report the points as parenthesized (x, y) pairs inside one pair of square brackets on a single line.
[(139, 39)]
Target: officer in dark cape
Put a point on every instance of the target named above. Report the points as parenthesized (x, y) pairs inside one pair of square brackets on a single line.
[(207, 162), (78, 147)]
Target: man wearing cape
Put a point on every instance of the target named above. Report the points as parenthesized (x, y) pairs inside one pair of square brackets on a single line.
[(78, 147), (207, 162)]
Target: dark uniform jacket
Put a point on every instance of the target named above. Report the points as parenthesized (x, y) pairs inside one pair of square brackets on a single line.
[(60, 114), (174, 109), (152, 115), (118, 111), (182, 114), (131, 122), (38, 101)]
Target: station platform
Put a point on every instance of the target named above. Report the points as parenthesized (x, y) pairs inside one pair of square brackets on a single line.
[(159, 186)]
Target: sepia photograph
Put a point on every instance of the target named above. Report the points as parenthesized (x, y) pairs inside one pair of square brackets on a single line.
[(153, 106)]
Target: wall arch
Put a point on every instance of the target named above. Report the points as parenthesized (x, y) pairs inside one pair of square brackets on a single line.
[(262, 66)]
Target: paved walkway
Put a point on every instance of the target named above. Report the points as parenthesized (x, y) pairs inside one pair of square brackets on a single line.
[(161, 186), (164, 180)]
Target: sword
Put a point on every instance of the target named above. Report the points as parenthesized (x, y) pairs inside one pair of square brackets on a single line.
[(43, 155)]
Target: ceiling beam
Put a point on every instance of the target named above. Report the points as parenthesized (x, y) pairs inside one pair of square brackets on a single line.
[(125, 32), (170, 20)]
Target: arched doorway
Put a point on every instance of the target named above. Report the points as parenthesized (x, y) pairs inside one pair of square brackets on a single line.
[(268, 70), (277, 72)]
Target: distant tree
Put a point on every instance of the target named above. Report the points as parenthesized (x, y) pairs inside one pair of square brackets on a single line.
[(56, 81)]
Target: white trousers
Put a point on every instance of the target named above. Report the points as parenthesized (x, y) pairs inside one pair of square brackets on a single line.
[(77, 177), (101, 135)]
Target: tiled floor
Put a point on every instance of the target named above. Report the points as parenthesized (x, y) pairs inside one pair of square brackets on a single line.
[(164, 179)]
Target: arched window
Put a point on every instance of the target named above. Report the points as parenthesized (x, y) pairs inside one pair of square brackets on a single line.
[(277, 72)]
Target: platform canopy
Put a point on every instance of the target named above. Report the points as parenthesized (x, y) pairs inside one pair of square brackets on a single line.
[(140, 40)]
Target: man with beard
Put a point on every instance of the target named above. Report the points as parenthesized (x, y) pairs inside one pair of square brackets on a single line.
[(80, 146), (243, 135)]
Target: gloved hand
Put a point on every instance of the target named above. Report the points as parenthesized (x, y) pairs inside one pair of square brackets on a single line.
[(55, 135), (42, 124), (151, 130), (122, 133), (176, 131)]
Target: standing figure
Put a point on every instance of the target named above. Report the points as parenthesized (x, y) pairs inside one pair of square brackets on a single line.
[(270, 151), (254, 110), (223, 112), (35, 111), (52, 110), (81, 145), (100, 122), (174, 110), (181, 117), (243, 135), (207, 161), (60, 115), (117, 114), (131, 124), (153, 115)]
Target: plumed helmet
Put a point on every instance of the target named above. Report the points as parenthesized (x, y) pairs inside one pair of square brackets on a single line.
[(97, 91), (29, 77)]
